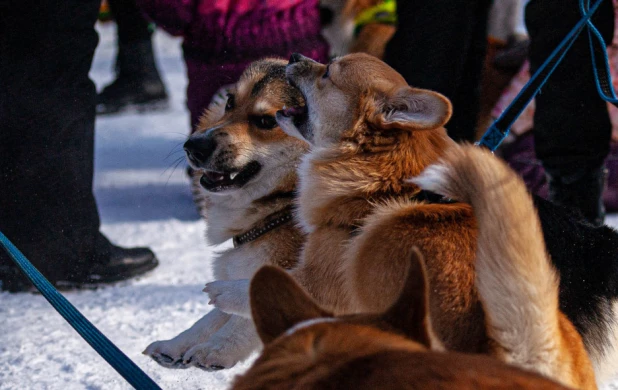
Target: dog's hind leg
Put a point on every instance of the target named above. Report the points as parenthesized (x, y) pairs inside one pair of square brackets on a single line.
[(170, 353), (515, 279)]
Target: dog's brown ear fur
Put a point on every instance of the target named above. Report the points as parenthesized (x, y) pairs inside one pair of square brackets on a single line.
[(410, 312), (278, 303), (408, 108)]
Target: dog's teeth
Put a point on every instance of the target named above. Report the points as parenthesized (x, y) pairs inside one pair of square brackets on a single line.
[(233, 175)]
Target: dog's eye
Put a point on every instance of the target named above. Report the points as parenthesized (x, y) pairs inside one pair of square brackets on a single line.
[(230, 102), (265, 122), (327, 73)]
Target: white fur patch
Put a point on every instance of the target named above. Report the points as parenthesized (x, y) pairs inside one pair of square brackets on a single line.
[(434, 178), (606, 365)]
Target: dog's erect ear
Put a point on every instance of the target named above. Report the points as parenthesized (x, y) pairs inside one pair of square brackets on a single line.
[(409, 108), (410, 312), (278, 303)]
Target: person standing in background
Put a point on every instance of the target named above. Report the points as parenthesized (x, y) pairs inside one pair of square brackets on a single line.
[(440, 45), (222, 37), (138, 83), (572, 128), (47, 112)]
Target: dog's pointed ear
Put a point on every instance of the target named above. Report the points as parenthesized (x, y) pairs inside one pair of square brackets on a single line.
[(278, 303), (410, 312), (410, 108)]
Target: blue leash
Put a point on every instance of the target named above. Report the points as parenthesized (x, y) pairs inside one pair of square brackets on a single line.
[(496, 133), (104, 347)]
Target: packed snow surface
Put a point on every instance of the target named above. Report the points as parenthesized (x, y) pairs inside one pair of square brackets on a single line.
[(144, 200)]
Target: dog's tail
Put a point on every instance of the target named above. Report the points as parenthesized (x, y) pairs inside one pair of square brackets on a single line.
[(516, 282)]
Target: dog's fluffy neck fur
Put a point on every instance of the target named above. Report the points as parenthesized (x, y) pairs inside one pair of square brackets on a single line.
[(230, 215), (340, 184)]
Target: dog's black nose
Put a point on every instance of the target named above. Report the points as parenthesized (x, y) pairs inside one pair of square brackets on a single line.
[(296, 57), (199, 148)]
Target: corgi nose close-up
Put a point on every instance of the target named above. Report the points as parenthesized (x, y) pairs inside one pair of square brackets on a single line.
[(199, 149)]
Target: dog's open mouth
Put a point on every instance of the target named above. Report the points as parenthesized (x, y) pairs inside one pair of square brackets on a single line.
[(215, 181)]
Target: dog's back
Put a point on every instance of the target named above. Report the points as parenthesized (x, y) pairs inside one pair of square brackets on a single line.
[(516, 281)]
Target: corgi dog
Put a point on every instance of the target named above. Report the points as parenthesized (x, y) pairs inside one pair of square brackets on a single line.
[(246, 169), (370, 132)]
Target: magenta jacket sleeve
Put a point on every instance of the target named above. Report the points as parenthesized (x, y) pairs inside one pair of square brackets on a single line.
[(171, 15)]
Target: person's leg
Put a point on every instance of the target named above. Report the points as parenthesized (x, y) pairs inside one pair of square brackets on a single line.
[(138, 82), (130, 22), (47, 143), (571, 123), (435, 47), (466, 99)]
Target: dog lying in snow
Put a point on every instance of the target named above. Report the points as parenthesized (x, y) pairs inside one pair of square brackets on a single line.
[(307, 347), (247, 166), (370, 132)]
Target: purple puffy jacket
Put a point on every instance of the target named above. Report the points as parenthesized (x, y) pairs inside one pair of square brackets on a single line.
[(221, 37)]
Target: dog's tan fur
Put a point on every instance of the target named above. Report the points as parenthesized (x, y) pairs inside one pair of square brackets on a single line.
[(371, 132), (308, 348), (355, 206), (219, 340), (516, 281)]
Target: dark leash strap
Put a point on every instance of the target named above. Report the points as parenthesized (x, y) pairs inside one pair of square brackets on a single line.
[(101, 344), (432, 197), (600, 61), (496, 133)]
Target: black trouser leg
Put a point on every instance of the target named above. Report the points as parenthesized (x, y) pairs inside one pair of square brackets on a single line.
[(132, 26), (440, 45), (47, 132), (571, 124)]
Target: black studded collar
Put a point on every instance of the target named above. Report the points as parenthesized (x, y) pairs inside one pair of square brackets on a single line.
[(269, 223)]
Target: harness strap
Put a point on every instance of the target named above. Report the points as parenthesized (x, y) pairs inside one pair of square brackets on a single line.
[(432, 197), (101, 344)]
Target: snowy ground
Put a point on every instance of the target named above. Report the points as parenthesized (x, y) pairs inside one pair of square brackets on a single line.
[(143, 201)]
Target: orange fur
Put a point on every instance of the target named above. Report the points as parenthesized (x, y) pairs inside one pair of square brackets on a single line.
[(362, 351), (515, 278), (354, 202)]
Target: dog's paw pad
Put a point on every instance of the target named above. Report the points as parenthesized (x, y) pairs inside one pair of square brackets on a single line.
[(210, 357), (165, 353)]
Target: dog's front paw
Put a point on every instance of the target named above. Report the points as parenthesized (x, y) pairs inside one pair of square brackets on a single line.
[(211, 356), (230, 296), (168, 353)]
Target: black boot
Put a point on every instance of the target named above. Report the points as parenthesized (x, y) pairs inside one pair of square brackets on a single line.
[(138, 83), (109, 264), (581, 190)]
